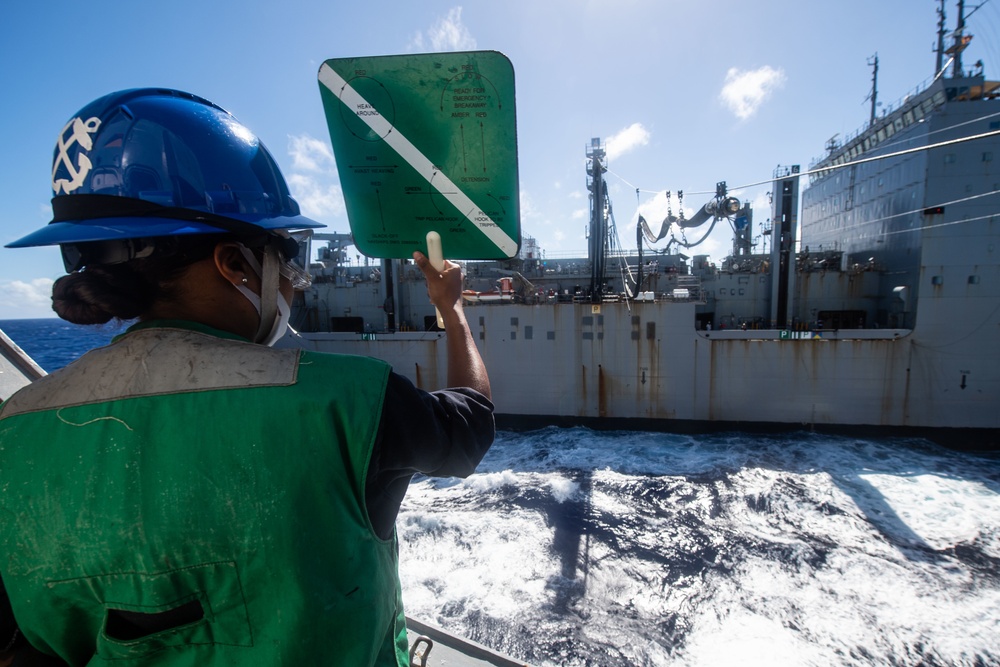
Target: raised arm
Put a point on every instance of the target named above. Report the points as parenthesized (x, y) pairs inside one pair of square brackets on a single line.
[(465, 366)]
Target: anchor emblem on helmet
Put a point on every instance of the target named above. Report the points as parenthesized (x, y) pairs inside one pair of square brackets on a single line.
[(80, 132)]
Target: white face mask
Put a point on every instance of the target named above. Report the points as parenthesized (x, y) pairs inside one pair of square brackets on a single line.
[(281, 317)]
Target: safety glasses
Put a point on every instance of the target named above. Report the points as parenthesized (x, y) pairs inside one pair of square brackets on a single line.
[(294, 250)]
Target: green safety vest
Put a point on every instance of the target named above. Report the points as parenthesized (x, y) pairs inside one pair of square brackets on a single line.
[(181, 472)]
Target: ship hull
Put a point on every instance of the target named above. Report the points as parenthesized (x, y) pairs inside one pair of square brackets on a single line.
[(643, 364)]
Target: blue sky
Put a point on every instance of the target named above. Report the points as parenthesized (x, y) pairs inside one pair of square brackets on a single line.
[(685, 94)]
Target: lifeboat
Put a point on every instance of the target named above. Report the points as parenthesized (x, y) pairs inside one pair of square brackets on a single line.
[(504, 293)]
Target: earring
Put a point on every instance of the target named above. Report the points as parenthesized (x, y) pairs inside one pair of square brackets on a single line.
[(244, 280)]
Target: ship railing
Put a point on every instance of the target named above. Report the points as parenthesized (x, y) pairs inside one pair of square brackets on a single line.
[(887, 111), (804, 336)]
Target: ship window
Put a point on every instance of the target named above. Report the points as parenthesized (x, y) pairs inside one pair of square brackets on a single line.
[(550, 335), (918, 112), (949, 158), (513, 321), (513, 335), (907, 117), (529, 332), (881, 134), (841, 319), (650, 330), (988, 156), (973, 280), (347, 324), (890, 130), (937, 280), (897, 124)]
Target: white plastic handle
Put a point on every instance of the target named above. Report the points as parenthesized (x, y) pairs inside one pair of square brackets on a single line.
[(436, 257)]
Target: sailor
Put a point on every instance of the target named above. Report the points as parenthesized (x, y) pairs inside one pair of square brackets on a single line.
[(188, 494)]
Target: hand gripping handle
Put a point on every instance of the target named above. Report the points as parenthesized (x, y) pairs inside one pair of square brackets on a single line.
[(436, 257)]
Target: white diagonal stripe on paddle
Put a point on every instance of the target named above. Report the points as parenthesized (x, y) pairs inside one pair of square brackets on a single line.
[(438, 180)]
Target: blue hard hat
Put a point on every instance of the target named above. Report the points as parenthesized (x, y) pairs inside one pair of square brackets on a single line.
[(155, 162)]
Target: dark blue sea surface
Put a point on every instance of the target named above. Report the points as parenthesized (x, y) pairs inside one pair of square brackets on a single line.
[(54, 343), (571, 547)]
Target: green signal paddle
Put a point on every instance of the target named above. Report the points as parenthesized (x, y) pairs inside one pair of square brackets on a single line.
[(426, 143)]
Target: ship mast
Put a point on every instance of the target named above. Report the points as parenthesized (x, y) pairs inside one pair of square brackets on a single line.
[(874, 93), (940, 44), (597, 246), (960, 42)]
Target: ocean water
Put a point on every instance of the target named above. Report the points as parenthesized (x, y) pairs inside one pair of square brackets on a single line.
[(573, 547), (54, 343)]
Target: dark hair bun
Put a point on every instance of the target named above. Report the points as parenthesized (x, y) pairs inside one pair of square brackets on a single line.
[(101, 293)]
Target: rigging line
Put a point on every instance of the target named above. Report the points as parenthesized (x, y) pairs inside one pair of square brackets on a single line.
[(620, 177), (940, 224), (974, 137), (853, 163), (911, 212), (623, 180), (617, 242), (962, 200), (943, 129)]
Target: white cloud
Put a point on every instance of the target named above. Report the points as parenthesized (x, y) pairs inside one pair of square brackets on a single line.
[(626, 140), (27, 295), (446, 34), (309, 154), (580, 214), (316, 198), (744, 91), (313, 179), (528, 210)]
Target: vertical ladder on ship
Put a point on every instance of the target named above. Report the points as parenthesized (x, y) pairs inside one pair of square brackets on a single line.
[(693, 285)]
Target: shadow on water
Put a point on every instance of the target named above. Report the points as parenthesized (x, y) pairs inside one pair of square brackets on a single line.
[(847, 462), (881, 515), (571, 543), (658, 519)]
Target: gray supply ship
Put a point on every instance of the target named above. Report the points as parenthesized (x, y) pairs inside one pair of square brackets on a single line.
[(878, 306)]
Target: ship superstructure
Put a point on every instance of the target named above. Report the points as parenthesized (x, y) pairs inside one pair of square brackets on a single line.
[(879, 305)]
